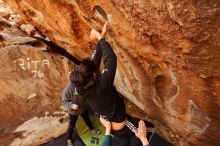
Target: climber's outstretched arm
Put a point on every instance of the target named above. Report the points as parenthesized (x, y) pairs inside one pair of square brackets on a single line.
[(96, 36)]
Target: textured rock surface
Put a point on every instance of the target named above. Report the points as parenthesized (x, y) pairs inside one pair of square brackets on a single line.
[(31, 81), (168, 54)]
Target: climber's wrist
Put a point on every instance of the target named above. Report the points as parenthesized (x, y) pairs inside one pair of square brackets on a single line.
[(99, 37)]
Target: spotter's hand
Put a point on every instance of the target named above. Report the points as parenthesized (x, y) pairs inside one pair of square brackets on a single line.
[(74, 106)]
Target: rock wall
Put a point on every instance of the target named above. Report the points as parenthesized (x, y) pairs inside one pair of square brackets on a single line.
[(31, 81), (168, 54)]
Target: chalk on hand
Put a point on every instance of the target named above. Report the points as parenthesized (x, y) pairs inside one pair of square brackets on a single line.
[(109, 17)]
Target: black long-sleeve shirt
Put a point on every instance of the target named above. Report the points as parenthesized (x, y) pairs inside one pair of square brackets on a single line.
[(103, 97)]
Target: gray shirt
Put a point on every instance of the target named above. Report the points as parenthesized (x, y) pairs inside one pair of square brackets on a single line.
[(70, 96)]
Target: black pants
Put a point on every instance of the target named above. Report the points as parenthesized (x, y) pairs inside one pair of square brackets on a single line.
[(125, 137), (77, 141), (72, 123), (131, 141)]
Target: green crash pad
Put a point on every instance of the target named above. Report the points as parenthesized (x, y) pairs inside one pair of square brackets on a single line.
[(96, 140), (89, 138)]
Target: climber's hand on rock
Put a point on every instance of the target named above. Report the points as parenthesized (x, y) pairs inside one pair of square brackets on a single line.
[(75, 106), (104, 29), (95, 35)]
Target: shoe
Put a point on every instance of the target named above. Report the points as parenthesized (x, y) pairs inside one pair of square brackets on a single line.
[(69, 144), (95, 131)]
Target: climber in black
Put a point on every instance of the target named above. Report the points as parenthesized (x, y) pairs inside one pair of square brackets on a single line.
[(99, 90), (75, 104)]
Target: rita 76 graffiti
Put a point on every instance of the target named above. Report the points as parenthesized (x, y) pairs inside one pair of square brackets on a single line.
[(33, 65)]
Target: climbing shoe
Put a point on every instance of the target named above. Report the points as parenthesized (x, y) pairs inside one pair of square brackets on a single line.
[(95, 131), (69, 144)]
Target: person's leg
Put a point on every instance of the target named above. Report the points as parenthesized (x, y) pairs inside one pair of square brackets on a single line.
[(85, 116), (72, 122), (77, 141), (88, 122)]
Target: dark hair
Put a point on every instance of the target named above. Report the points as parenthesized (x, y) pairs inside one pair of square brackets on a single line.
[(83, 74)]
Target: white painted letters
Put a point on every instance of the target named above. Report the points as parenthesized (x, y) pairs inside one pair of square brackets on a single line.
[(34, 66)]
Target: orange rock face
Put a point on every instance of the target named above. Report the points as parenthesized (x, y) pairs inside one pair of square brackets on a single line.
[(31, 82), (168, 54)]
